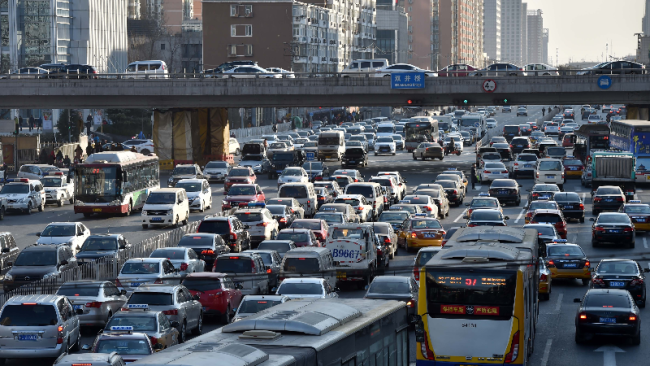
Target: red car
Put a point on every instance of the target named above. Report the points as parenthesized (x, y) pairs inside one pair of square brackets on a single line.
[(456, 70), (301, 237), (533, 126), (242, 195), (567, 140), (219, 296), (239, 175), (318, 227)]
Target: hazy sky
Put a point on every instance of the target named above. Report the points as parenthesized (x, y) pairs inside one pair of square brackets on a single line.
[(579, 29)]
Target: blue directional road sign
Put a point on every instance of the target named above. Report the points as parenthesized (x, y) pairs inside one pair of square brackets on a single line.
[(311, 156), (604, 82), (407, 80)]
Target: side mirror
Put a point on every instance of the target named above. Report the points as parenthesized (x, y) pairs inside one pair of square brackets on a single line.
[(123, 292), (528, 190), (5, 250), (592, 219), (592, 193), (38, 234), (467, 204), (80, 234), (520, 186), (64, 262), (85, 347), (239, 286), (336, 289), (577, 300), (196, 297), (158, 347), (507, 218), (247, 227), (79, 311), (646, 270), (122, 246), (465, 217), (175, 324), (9, 264)]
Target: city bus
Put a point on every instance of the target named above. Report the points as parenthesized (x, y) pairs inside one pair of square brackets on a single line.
[(335, 331), (477, 303), (114, 182), (633, 136), (590, 137), (418, 130)]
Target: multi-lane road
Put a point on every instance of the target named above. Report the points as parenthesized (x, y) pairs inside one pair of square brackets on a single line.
[(554, 344)]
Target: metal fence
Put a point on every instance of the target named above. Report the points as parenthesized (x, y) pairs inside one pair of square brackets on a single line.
[(244, 133)]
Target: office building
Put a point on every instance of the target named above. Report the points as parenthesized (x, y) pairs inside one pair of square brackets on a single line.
[(535, 33), (645, 23), (392, 31), (545, 46), (492, 29), (460, 32), (423, 30), (513, 31)]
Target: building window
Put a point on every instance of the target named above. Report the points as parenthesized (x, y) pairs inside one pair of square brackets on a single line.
[(240, 50), (241, 30), (162, 46), (239, 11)]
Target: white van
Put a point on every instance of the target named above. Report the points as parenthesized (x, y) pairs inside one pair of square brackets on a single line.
[(308, 262), (373, 194), (166, 207), (386, 129), (354, 249), (550, 171), (365, 66), (303, 193), (152, 69), (331, 145)]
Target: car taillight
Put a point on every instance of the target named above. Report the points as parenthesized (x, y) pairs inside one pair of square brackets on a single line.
[(233, 236), (628, 230), (514, 349), (504, 171), (535, 194), (428, 208), (620, 199), (511, 146), (158, 281), (183, 266), (59, 336), (562, 174), (380, 252), (171, 312), (597, 281), (636, 282), (486, 172), (385, 199), (262, 224), (455, 191), (543, 277), (472, 225), (582, 207), (118, 283), (94, 304), (321, 198), (424, 348), (550, 263), (410, 303), (582, 316), (469, 211), (537, 174), (387, 241), (632, 317), (599, 228), (416, 273), (253, 269), (597, 199), (208, 252)]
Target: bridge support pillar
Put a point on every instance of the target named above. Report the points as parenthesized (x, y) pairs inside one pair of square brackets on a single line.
[(638, 111), (194, 135)]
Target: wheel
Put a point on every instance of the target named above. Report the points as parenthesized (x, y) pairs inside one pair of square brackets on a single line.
[(376, 154), (41, 207), (199, 328), (580, 338), (582, 220), (145, 226), (2, 213), (177, 221), (274, 234), (561, 186), (145, 152), (393, 154), (414, 157), (585, 281), (631, 246), (544, 297), (187, 218), (29, 208), (594, 243), (642, 303), (636, 340), (129, 209), (595, 212), (87, 214), (225, 318), (237, 152), (71, 200), (182, 337), (59, 203)]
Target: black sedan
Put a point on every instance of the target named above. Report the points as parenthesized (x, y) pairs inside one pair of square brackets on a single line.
[(505, 190), (453, 190), (571, 205), (621, 273), (487, 218), (282, 214), (401, 288), (607, 198), (543, 192), (613, 227), (610, 312)]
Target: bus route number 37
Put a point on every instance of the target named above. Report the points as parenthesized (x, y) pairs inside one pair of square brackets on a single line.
[(344, 253)]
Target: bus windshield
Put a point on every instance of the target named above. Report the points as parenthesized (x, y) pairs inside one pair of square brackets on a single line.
[(418, 131), (469, 122), (96, 184)]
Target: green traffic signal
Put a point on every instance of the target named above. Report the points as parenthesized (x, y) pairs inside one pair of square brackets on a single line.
[(465, 101)]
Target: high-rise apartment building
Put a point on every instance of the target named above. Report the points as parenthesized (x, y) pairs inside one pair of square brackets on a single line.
[(461, 32), (423, 30), (392, 31), (545, 47), (524, 34), (170, 13), (535, 30), (646, 19), (492, 29), (513, 31)]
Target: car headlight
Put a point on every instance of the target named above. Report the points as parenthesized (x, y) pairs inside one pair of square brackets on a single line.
[(49, 275), (144, 213), (9, 277), (171, 180)]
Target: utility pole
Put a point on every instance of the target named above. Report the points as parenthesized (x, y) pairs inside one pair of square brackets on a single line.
[(69, 127)]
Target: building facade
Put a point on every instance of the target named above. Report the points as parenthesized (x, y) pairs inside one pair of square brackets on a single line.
[(645, 23), (392, 31), (313, 38), (535, 32), (492, 29), (423, 27), (545, 36), (513, 31), (91, 32), (467, 32)]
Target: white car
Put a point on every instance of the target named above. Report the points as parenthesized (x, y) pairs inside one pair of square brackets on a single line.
[(397, 68), (523, 164), (550, 171), (250, 72), (72, 234), (491, 123), (233, 146), (262, 225), (361, 206), (302, 288), (136, 272), (425, 202), (23, 195), (216, 171), (492, 171), (184, 259), (58, 189), (293, 175), (300, 143), (385, 145), (401, 187), (284, 73), (593, 118), (199, 193), (143, 146)]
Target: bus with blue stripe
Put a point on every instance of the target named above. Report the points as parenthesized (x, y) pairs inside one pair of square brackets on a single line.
[(478, 301), (633, 136)]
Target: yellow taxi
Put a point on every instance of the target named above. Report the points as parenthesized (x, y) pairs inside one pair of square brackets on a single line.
[(639, 213), (572, 167), (566, 260), (160, 330), (545, 278), (420, 231)]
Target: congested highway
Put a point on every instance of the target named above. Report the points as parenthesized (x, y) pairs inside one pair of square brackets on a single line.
[(554, 343)]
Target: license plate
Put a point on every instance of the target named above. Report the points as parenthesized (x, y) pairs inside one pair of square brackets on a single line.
[(156, 219), (352, 162), (614, 231), (573, 168), (136, 284), (609, 199), (639, 219), (528, 166), (544, 197), (608, 320), (28, 337), (617, 284), (503, 192), (340, 274), (205, 308), (328, 156), (97, 210), (550, 177), (520, 145), (570, 265), (77, 307), (429, 235), (566, 207)]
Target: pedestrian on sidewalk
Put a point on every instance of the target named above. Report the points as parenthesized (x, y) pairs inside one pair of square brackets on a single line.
[(544, 111), (473, 176), (31, 123), (89, 122)]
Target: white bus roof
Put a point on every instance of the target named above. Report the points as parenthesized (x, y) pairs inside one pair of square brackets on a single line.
[(114, 157)]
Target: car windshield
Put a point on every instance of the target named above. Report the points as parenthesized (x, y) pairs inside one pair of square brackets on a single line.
[(417, 200), (233, 265), (385, 139), (494, 166), (15, 189), (151, 298), (492, 156), (329, 218), (51, 182), (184, 170), (99, 244), (278, 145), (139, 324), (202, 284), (607, 300), (161, 199), (550, 166), (547, 217), (477, 202), (312, 166), (542, 230), (425, 224), (350, 201), (255, 306), (239, 173), (168, 253), (486, 215), (59, 230), (638, 209), (397, 138), (572, 162), (217, 165), (221, 227), (389, 287), (36, 258), (299, 191), (297, 237), (618, 267), (249, 216), (603, 190), (292, 172), (124, 346), (310, 144), (141, 268), (190, 187), (311, 225), (542, 205), (564, 250), (28, 316), (527, 158), (242, 191), (613, 219), (546, 188), (393, 216), (447, 184), (78, 289), (297, 288)]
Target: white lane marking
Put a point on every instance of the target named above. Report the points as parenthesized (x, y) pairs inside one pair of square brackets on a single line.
[(558, 304), (583, 197), (547, 352), (459, 216), (640, 190), (523, 211), (645, 243)]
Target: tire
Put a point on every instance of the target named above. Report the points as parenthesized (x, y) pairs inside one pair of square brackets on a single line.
[(544, 297), (41, 207), (642, 304), (225, 318), (182, 336), (585, 281), (187, 219), (595, 212), (631, 246), (145, 152), (579, 337), (636, 340), (29, 208), (59, 203), (177, 221), (2, 213), (87, 214), (237, 152), (393, 154), (71, 200), (129, 209), (274, 234), (414, 157), (199, 328), (582, 220)]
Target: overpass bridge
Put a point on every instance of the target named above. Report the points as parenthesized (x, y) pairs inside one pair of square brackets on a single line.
[(192, 91)]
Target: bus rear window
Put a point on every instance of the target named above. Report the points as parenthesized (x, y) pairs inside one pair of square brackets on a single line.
[(235, 265), (300, 265)]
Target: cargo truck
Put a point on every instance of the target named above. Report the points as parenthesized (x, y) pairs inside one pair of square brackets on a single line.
[(611, 168)]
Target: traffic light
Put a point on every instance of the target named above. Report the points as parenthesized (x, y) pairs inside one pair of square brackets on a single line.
[(502, 101), (414, 102), (461, 102), (16, 127)]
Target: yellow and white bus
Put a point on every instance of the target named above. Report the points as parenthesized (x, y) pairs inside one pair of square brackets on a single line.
[(477, 305)]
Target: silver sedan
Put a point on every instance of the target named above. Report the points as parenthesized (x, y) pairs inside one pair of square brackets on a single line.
[(184, 259), (140, 271), (98, 300)]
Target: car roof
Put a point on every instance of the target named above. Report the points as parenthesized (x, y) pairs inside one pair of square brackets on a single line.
[(265, 297), (157, 288), (392, 279), (64, 223), (547, 211), (39, 299), (304, 280), (112, 335), (146, 260), (194, 180), (206, 275)]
